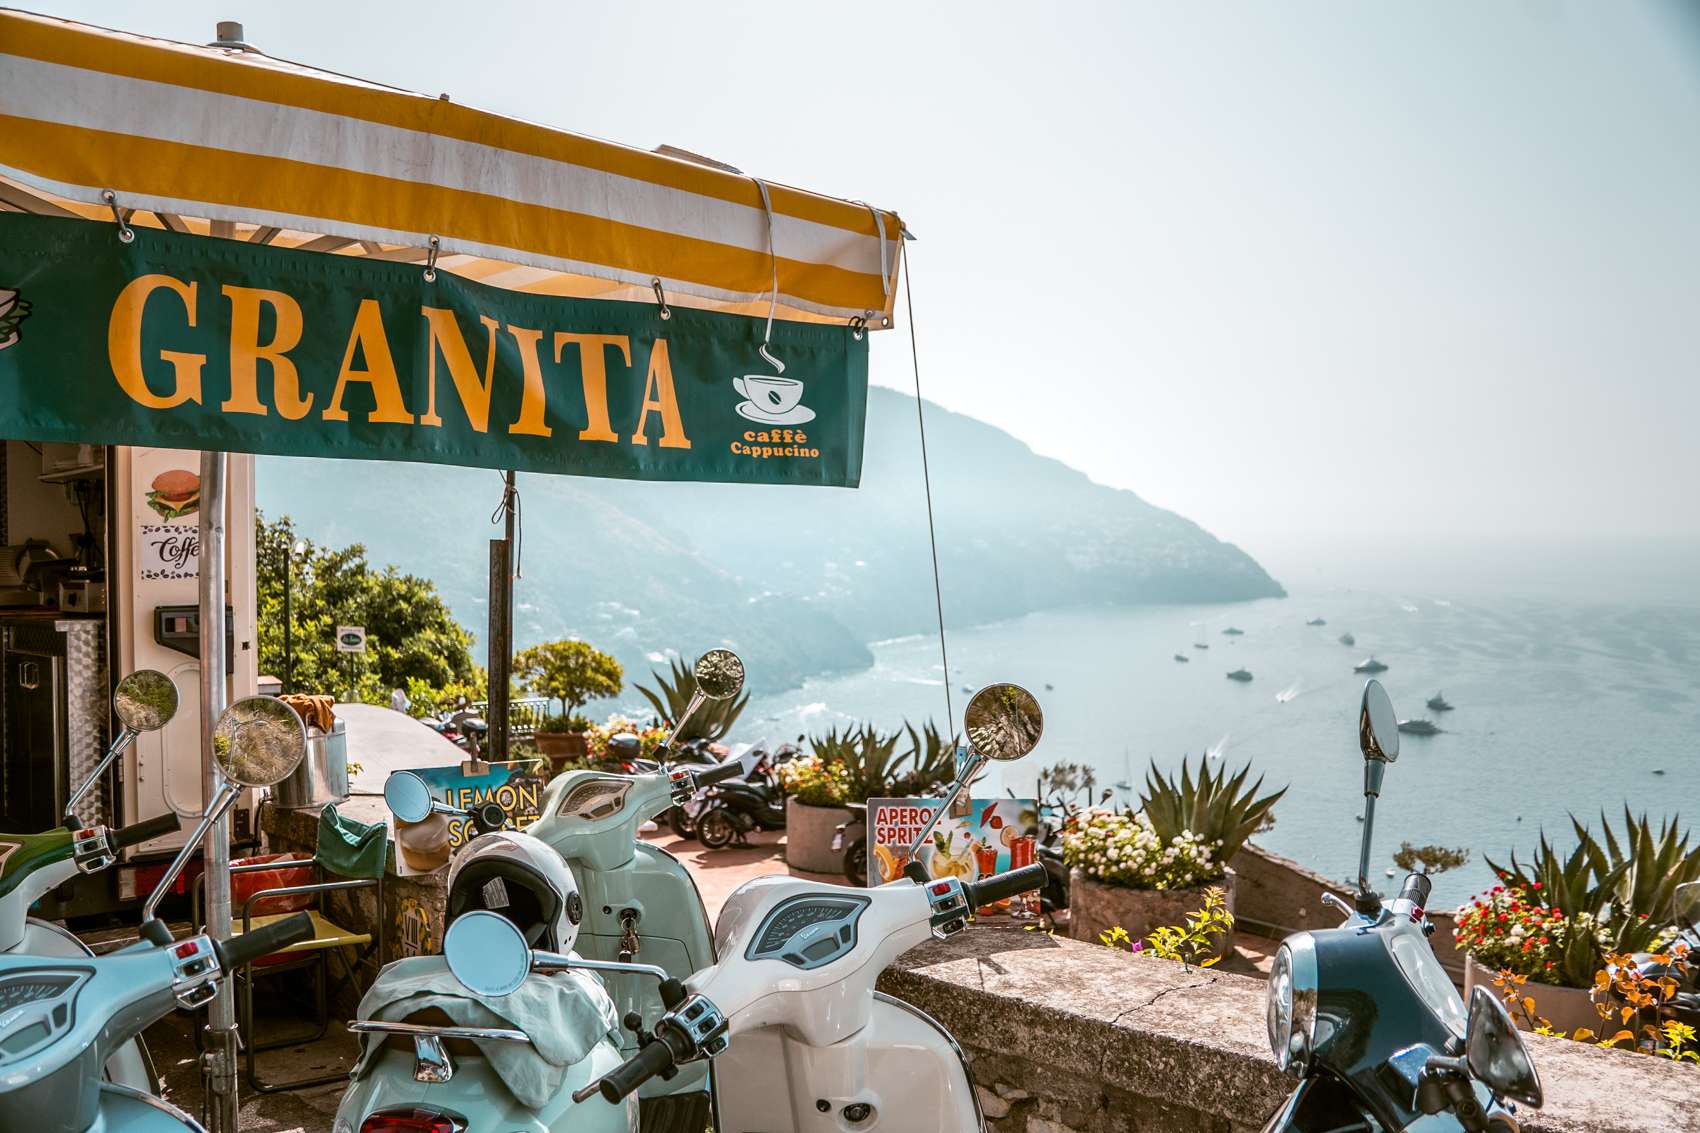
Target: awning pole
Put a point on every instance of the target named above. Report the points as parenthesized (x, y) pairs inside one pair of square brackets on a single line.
[(501, 649), (219, 1065)]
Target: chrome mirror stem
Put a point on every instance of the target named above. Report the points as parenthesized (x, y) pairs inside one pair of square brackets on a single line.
[(970, 767), (221, 803), (123, 740)]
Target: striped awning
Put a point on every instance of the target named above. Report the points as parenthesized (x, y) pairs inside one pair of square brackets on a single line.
[(226, 141)]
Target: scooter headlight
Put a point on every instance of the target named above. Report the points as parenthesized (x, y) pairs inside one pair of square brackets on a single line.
[(1292, 1002)]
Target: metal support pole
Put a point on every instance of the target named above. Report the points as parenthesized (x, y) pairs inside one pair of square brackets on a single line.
[(288, 621), (501, 625), (220, 1059)]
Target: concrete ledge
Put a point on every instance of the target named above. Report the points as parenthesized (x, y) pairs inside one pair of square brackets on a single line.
[(1065, 1036)]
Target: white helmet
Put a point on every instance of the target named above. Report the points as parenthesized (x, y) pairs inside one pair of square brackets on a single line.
[(523, 879)]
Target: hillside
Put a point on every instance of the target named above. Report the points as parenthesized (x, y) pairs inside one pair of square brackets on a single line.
[(798, 580)]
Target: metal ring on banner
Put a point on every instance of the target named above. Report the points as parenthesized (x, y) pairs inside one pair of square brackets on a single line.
[(661, 299), (436, 245), (126, 234), (773, 259), (858, 327)]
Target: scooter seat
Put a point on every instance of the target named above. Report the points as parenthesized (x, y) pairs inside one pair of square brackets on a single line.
[(565, 1016)]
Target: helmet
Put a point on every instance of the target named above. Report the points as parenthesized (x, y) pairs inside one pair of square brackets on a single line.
[(523, 879), (624, 745)]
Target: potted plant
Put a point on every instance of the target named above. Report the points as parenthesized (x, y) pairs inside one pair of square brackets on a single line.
[(571, 672), (1545, 930), (1141, 870), (817, 786), (564, 738)]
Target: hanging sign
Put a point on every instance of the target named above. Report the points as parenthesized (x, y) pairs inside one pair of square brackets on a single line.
[(351, 639), (205, 343), (424, 847), (995, 835)]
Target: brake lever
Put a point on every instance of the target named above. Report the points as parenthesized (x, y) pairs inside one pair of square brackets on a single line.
[(1335, 901)]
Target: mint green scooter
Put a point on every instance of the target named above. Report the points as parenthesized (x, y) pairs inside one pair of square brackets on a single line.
[(640, 902)]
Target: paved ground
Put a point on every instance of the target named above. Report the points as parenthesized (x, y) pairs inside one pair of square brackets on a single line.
[(717, 874)]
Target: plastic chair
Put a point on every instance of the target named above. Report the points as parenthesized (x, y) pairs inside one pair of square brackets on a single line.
[(331, 857)]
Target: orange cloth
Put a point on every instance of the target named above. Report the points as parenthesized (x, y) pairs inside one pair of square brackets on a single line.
[(315, 711)]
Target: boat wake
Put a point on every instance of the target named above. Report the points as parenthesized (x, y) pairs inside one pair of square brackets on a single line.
[(1215, 750), (1288, 693)]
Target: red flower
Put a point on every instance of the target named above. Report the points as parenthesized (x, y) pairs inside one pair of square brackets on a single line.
[(1536, 885)]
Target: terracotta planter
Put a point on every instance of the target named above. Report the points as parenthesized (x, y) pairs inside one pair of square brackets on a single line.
[(1566, 1008), (808, 837), (558, 747), (1096, 906)]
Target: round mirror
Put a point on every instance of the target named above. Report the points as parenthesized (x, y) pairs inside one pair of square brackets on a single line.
[(259, 741), (408, 796), (1003, 722), (719, 674), (145, 701), (487, 953), (1378, 725)]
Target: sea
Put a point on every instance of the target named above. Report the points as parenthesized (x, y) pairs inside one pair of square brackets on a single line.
[(1574, 674)]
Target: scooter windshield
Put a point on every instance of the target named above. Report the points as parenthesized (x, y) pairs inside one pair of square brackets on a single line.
[(1415, 960)]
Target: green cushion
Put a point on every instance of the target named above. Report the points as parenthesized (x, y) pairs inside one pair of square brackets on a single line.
[(348, 848), (26, 853)]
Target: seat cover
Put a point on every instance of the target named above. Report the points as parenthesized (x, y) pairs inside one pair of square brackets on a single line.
[(565, 1015)]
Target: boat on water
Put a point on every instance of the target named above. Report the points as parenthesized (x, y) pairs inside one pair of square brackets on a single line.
[(1369, 665), (1240, 675), (1317, 622), (1348, 639), (1183, 658), (1200, 645), (1438, 703), (1049, 687), (1419, 727), (1233, 631)]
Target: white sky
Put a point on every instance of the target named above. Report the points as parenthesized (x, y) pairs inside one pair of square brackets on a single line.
[(1285, 268)]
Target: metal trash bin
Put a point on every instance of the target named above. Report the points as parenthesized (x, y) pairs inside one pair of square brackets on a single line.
[(322, 777)]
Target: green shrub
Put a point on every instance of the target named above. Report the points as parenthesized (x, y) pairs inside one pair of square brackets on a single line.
[(1220, 811), (670, 698)]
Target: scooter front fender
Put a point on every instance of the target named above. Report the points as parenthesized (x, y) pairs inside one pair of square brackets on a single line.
[(124, 1110)]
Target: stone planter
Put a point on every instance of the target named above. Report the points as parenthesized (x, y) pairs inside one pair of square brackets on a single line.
[(559, 747), (808, 837), (1096, 907), (1566, 1008)]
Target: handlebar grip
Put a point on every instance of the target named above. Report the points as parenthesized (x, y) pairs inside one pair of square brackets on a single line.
[(1002, 885), (1416, 890), (136, 834), (636, 1070), (263, 941), (731, 769)]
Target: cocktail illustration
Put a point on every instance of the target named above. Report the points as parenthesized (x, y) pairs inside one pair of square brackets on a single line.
[(1023, 906), (986, 859)]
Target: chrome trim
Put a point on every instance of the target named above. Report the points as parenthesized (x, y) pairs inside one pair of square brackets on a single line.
[(494, 1034), (973, 1093), (431, 1063), (160, 1104), (1301, 946)]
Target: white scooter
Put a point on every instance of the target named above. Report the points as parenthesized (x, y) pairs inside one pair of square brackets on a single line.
[(62, 1018), (33, 865), (801, 1040)]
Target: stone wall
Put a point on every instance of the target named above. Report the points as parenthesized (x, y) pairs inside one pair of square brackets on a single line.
[(1066, 1037)]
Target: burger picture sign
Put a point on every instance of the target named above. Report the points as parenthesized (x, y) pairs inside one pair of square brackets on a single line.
[(176, 492), (170, 549)]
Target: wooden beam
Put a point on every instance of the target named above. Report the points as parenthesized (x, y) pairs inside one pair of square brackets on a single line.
[(402, 255), (324, 244), (23, 200), (264, 235), (171, 221), (224, 228)]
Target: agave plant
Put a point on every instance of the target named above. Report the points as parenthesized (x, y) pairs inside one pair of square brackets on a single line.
[(931, 758), (670, 697), (1221, 810)]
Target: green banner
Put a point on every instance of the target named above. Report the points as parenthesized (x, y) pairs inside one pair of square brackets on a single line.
[(200, 343)]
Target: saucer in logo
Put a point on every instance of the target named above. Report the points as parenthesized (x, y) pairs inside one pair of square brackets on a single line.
[(772, 400)]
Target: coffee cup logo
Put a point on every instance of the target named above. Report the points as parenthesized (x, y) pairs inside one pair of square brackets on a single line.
[(772, 400)]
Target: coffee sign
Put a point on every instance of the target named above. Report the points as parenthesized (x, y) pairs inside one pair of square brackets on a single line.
[(192, 342)]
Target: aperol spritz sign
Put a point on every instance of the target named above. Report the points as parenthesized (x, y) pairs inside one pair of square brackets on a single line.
[(994, 836)]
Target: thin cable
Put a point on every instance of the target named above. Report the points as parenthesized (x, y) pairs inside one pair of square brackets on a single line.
[(773, 261), (510, 501), (927, 482)]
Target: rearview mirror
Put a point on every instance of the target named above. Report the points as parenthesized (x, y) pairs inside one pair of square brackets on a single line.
[(487, 953), (408, 796), (259, 741), (1495, 1051), (1378, 724), (1003, 722), (1685, 903), (145, 701), (719, 674)]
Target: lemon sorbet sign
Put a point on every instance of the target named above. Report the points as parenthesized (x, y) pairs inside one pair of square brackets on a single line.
[(192, 342)]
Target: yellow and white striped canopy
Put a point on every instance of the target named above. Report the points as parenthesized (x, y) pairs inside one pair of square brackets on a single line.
[(230, 142)]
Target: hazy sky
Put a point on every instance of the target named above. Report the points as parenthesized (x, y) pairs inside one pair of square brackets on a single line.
[(1285, 268)]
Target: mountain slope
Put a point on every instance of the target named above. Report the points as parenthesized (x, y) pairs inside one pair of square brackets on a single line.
[(796, 579)]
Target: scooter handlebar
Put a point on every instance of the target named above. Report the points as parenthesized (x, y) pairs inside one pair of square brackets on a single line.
[(1416, 890), (136, 834), (731, 769), (262, 941), (999, 886), (653, 1059)]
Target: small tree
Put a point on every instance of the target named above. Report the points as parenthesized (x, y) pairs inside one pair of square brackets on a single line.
[(1429, 859), (571, 672)]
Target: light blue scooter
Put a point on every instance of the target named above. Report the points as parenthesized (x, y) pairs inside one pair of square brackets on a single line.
[(640, 902), (62, 1018)]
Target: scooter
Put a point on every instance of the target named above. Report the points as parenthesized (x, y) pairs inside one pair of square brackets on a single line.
[(742, 804), (851, 839), (682, 819), (1367, 1019), (64, 1019), (640, 902), (33, 865), (799, 1038), (1684, 1005)]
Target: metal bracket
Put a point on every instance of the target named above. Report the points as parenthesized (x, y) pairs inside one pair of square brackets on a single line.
[(431, 1063), (666, 312), (436, 245), (126, 234)]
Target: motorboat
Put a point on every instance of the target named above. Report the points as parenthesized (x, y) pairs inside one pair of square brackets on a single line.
[(1200, 645), (1233, 631), (1438, 703), (1348, 639), (1183, 658), (1419, 727), (1240, 675), (1317, 622), (1369, 665)]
